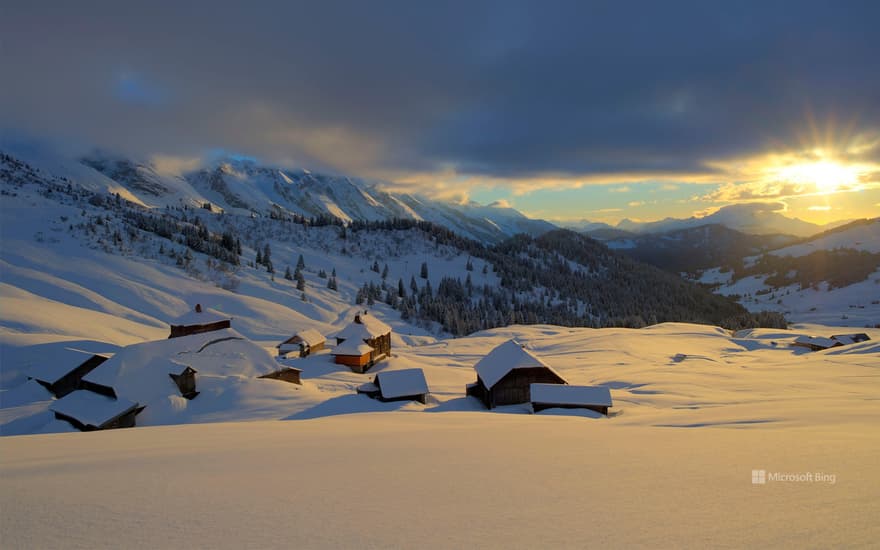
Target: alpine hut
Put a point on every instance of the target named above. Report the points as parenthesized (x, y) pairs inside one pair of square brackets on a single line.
[(505, 375), (398, 385), (815, 343), (559, 396), (89, 411), (199, 320), (354, 354), (62, 370), (365, 329), (303, 343)]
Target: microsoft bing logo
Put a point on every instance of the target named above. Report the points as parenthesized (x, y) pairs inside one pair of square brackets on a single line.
[(759, 477)]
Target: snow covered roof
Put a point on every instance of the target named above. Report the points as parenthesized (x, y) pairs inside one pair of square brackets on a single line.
[(57, 362), (308, 336), (508, 356), (846, 339), (816, 341), (140, 371), (200, 316), (400, 383), (352, 347), (375, 326), (564, 394), (368, 327), (90, 408)]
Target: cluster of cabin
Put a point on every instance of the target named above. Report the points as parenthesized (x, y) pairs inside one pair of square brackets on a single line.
[(83, 383), (818, 343), (508, 375)]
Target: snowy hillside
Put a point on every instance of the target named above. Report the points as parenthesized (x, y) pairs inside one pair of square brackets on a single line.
[(861, 235), (833, 278), (242, 186)]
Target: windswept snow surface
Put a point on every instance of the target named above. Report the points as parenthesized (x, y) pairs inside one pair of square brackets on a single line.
[(457, 480)]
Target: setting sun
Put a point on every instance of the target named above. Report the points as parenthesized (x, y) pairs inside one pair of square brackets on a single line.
[(827, 176)]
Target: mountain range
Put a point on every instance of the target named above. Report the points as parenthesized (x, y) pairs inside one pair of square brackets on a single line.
[(241, 185)]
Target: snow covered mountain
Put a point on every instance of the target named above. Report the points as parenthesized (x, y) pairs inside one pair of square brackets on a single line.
[(244, 186)]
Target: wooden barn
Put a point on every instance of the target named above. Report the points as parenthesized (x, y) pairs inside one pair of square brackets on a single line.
[(61, 371), (397, 385), (563, 396), (185, 381), (815, 343), (354, 354), (287, 374), (506, 374), (89, 411), (370, 330), (198, 321), (303, 343)]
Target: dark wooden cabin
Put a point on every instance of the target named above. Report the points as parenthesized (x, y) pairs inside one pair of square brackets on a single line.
[(198, 321), (397, 385), (303, 343), (506, 374), (370, 330), (287, 374), (63, 371), (564, 396), (88, 411), (186, 382)]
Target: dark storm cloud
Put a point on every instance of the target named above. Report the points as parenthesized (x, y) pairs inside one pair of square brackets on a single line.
[(506, 89)]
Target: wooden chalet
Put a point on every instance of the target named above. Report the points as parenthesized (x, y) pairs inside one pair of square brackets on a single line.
[(355, 355), (815, 343), (397, 385), (185, 381), (198, 321), (303, 343), (564, 396), (364, 329), (506, 374), (61, 371), (287, 374), (89, 411)]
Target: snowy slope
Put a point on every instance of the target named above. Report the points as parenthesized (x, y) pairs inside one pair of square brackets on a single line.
[(244, 186), (857, 236), (856, 304)]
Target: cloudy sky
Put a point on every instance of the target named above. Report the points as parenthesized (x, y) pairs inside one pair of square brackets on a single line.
[(565, 110)]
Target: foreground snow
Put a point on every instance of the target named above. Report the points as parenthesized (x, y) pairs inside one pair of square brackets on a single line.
[(438, 481)]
